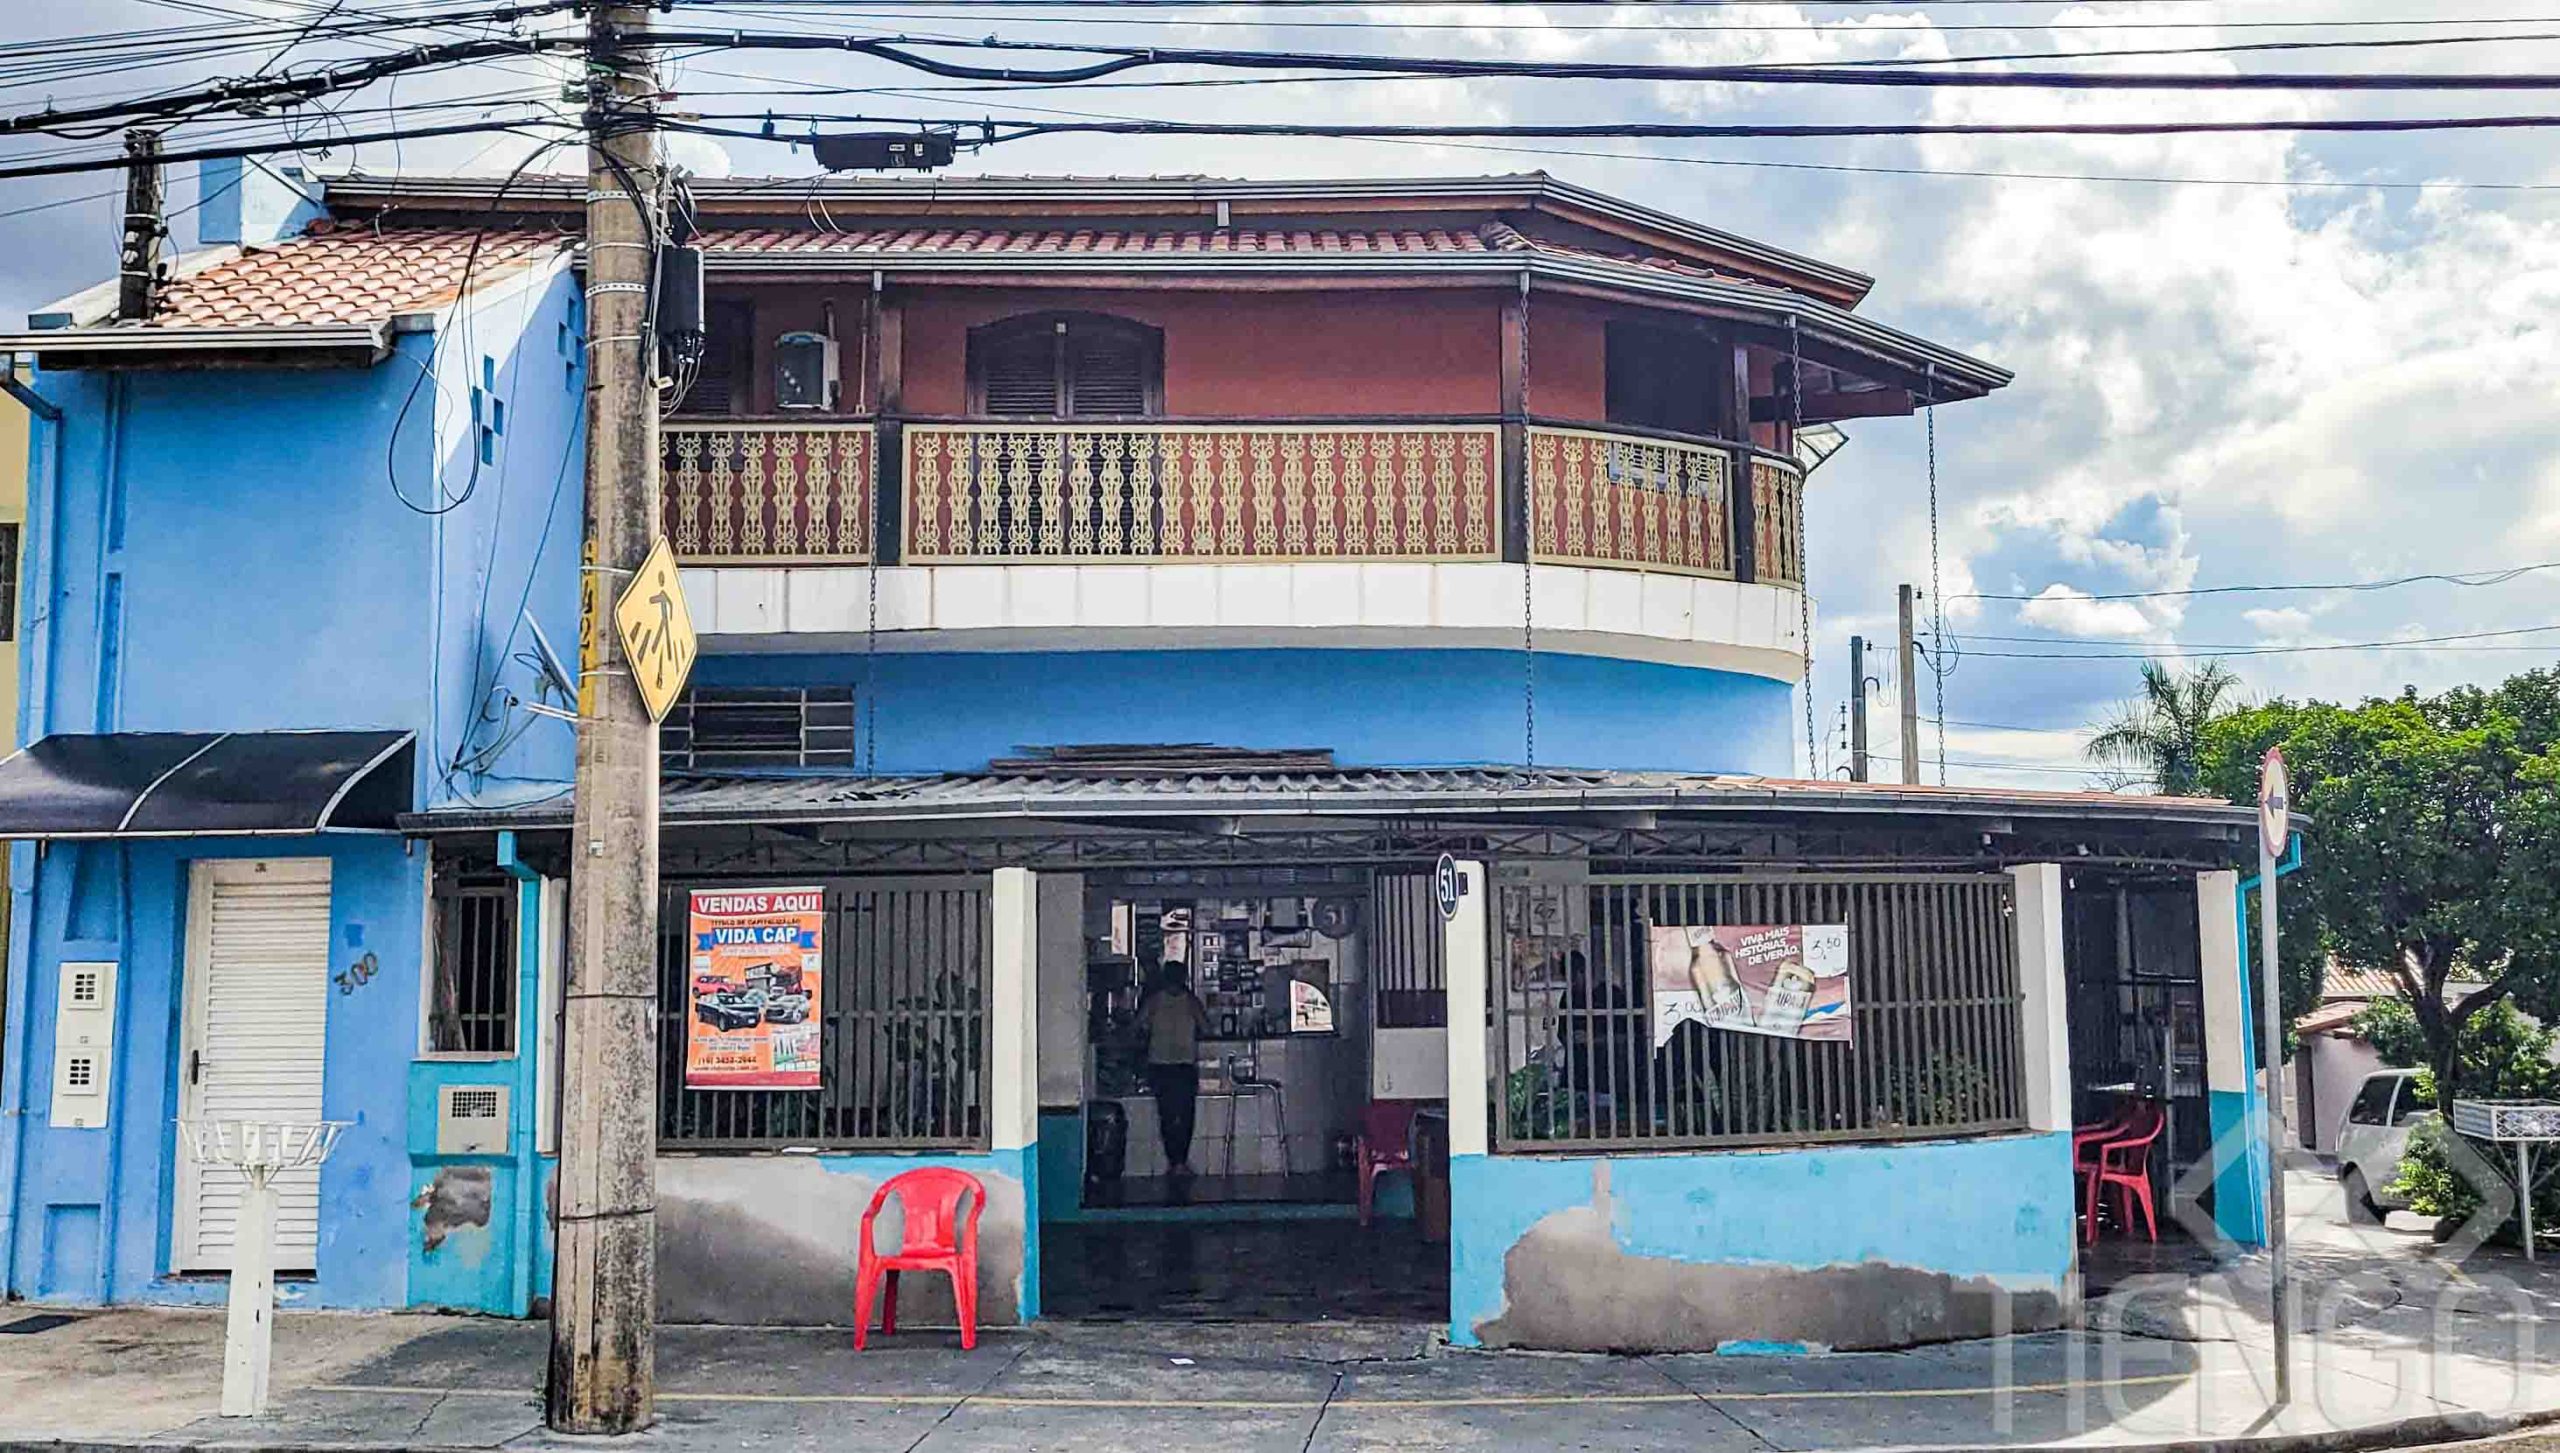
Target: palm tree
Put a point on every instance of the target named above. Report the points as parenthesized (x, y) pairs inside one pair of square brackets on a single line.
[(2159, 736)]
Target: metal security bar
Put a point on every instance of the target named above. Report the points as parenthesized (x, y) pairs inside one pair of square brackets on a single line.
[(1933, 995), (1105, 492), (903, 999), (713, 727), (471, 1002), (1409, 964)]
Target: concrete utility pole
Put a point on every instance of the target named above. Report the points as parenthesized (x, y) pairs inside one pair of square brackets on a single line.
[(138, 256), (1908, 665), (604, 1292), (1857, 708)]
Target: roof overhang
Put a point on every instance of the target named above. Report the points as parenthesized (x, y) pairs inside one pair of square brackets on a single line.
[(308, 345), (205, 784), (1491, 795), (1959, 375), (980, 196)]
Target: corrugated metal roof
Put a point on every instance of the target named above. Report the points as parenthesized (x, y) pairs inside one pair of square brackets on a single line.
[(720, 800)]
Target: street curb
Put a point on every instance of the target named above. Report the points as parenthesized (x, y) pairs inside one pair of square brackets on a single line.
[(2430, 1428)]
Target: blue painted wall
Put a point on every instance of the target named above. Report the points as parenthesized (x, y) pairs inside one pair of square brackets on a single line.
[(1994, 1208), (232, 551), (92, 1219), (954, 712)]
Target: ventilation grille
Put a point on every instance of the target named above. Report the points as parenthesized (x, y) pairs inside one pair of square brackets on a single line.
[(787, 726), (84, 987), (476, 1104), (80, 1073)]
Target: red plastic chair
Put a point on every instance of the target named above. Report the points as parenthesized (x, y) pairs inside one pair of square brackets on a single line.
[(1385, 1143), (932, 1237), (2125, 1164)]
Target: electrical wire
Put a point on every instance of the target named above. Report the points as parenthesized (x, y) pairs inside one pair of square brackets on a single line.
[(2459, 577), (2443, 642)]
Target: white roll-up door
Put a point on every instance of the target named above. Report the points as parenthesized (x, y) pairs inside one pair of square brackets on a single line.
[(257, 1021)]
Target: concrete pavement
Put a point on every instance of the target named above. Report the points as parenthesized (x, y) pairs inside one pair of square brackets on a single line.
[(2398, 1347)]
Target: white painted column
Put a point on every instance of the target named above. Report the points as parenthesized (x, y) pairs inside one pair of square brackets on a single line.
[(2044, 1009), (2226, 1019), (1013, 1023), (1469, 945), (249, 1336)]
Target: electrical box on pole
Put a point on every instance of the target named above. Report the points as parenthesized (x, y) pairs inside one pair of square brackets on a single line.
[(885, 151)]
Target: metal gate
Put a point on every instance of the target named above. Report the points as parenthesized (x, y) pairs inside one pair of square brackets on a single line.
[(1934, 1000), (903, 1045), (1408, 954)]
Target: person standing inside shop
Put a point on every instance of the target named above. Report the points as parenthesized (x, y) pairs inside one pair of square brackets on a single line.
[(1173, 1019)]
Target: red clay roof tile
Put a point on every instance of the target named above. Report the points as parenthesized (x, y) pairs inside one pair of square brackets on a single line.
[(345, 277)]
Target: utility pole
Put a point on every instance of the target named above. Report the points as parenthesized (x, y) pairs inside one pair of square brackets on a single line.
[(1857, 708), (1907, 664), (604, 1292), (138, 256)]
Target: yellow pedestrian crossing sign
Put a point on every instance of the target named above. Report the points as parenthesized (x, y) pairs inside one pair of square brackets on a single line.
[(657, 630)]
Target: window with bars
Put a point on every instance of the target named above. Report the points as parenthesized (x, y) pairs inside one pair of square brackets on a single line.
[(902, 1040), (1066, 366), (1933, 1001), (9, 581), (713, 727), (471, 993)]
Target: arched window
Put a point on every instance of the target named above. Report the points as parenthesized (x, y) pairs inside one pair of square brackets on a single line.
[(1066, 366)]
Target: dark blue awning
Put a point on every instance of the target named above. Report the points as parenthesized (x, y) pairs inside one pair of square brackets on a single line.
[(194, 784)]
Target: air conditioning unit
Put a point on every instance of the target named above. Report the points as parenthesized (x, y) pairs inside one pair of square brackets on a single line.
[(805, 371), (84, 1033), (471, 1119)]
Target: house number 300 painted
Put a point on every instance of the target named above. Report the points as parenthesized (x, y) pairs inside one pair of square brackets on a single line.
[(358, 974)]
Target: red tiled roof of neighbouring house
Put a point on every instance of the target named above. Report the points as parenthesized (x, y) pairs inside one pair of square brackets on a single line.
[(1084, 241), (344, 277)]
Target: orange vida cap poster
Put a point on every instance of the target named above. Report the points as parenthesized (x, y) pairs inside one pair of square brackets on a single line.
[(752, 988)]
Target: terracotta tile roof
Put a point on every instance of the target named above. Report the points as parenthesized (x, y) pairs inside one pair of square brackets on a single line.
[(344, 277), (1060, 241), (2342, 982)]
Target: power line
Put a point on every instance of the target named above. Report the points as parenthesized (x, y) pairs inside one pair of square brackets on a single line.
[(2172, 649), (1119, 58), (2458, 577), (223, 153), (1020, 129)]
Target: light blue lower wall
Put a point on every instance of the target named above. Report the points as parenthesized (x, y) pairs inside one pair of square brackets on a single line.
[(1854, 1246), (2239, 1200), (772, 1239), (953, 712), (90, 1210)]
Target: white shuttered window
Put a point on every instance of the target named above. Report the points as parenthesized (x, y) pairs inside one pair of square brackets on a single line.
[(257, 1019)]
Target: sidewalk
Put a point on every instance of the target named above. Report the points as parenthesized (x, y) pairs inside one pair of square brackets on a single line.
[(2401, 1348)]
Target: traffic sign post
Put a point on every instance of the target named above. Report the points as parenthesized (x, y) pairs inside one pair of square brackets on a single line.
[(657, 630), (2275, 827)]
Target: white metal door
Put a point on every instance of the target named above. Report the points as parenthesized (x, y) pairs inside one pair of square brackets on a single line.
[(257, 1017)]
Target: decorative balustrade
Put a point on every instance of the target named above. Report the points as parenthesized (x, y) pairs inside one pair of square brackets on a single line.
[(768, 493), (1116, 492), (1777, 521), (1619, 500), (781, 492)]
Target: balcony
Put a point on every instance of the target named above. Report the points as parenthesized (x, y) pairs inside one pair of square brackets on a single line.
[(1005, 493)]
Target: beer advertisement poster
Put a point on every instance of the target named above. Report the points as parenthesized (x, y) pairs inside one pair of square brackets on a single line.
[(752, 988), (1788, 980)]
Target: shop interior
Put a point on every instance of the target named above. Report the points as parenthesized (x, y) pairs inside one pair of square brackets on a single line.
[(2137, 1021), (1320, 1050)]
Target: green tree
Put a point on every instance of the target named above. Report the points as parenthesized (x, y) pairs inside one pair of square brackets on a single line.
[(2436, 845), (2158, 737)]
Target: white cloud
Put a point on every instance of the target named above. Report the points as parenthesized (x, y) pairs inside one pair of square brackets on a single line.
[(2073, 613)]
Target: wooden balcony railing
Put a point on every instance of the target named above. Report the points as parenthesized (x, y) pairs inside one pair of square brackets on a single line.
[(1202, 492), (1777, 520), (1615, 499), (768, 493)]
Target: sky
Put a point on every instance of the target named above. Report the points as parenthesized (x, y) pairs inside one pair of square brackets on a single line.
[(2241, 360)]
